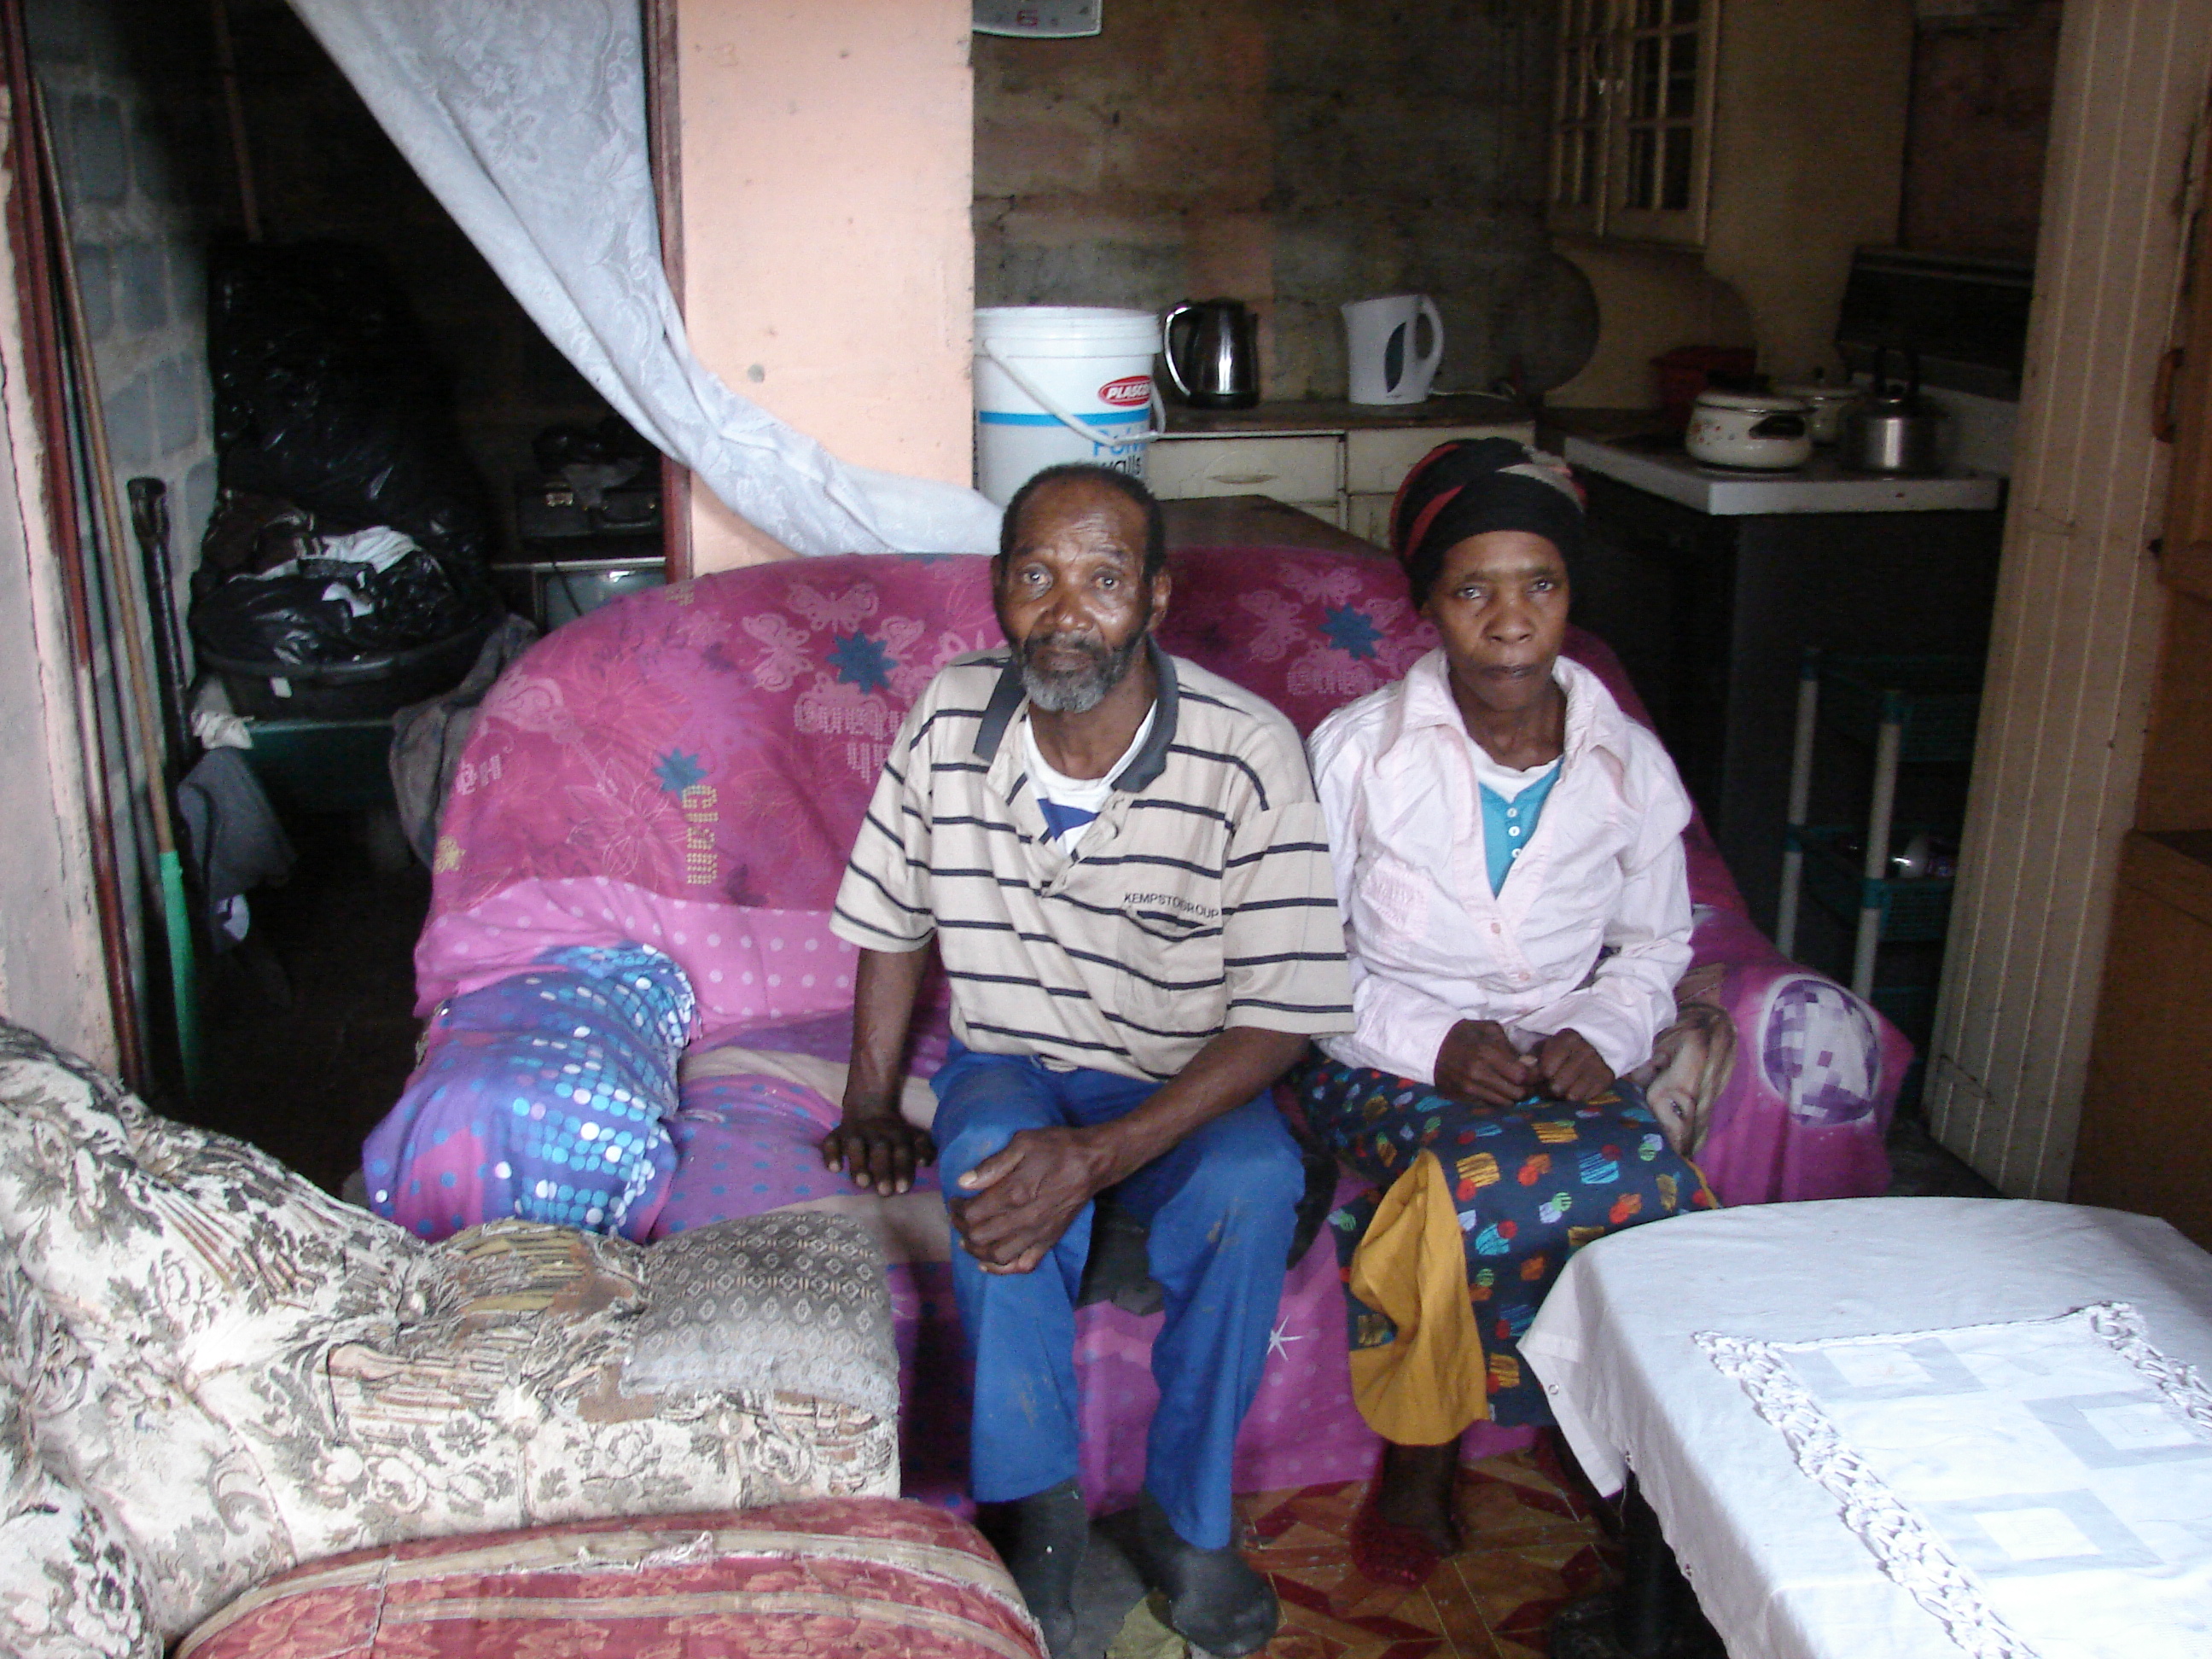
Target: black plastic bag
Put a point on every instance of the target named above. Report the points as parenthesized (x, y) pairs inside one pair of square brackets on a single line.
[(309, 620), (327, 396)]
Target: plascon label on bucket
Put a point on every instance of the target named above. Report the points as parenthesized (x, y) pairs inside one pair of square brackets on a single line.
[(1061, 383)]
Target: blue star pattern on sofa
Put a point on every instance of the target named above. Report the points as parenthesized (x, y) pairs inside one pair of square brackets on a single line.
[(1351, 631), (860, 661), (678, 771)]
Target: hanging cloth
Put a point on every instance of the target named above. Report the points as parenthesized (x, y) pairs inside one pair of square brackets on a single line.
[(1431, 1380), (526, 120)]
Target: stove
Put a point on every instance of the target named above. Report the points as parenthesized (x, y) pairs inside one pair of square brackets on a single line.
[(1661, 467)]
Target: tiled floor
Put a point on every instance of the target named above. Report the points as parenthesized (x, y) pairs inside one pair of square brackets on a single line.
[(1534, 1544)]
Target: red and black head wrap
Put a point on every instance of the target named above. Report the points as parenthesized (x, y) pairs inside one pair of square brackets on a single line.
[(1473, 485)]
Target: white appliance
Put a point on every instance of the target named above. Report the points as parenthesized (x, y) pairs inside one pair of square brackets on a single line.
[(1379, 347)]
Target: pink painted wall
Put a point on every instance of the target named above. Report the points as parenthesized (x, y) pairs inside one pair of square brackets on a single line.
[(828, 256)]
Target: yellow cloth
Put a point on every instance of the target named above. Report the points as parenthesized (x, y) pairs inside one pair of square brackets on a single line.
[(1428, 1384)]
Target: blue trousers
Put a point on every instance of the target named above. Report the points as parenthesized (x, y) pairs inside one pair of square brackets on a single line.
[(1222, 1206)]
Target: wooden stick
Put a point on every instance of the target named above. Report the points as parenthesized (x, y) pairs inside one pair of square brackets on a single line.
[(131, 607), (226, 60)]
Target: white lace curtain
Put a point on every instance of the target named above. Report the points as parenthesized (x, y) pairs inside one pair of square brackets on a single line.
[(526, 120)]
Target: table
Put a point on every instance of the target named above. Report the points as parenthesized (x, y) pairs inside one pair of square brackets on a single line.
[(1255, 521), (1774, 1567)]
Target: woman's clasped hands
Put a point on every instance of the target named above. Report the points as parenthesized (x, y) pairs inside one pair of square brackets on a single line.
[(1479, 1064)]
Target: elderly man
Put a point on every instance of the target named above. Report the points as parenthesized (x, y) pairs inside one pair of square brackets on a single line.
[(1121, 862)]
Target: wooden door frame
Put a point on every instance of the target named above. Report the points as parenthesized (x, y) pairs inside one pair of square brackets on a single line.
[(30, 211), (664, 128)]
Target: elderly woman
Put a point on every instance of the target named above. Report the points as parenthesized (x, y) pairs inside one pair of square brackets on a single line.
[(1509, 862)]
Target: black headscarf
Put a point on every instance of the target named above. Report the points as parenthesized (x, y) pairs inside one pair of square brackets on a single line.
[(1471, 485)]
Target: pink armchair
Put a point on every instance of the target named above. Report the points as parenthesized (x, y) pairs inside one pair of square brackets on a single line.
[(685, 770)]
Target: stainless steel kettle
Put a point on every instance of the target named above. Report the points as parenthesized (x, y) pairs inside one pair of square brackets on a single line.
[(1895, 430), (1212, 352)]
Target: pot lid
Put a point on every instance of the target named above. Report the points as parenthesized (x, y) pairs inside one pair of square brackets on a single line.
[(1752, 403), (1818, 391)]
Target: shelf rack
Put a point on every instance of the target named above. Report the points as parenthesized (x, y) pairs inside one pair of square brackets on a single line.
[(1909, 711)]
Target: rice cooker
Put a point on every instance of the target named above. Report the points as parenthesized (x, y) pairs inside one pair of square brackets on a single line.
[(1757, 430)]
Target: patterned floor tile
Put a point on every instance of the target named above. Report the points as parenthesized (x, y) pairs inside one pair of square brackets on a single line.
[(1505, 1501), (1535, 1543), (1519, 1589)]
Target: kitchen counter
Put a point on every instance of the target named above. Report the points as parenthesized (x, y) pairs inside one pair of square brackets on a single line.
[(1823, 484), (1324, 415)]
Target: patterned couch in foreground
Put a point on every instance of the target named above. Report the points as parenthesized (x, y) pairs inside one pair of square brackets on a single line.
[(686, 770), (211, 1371)]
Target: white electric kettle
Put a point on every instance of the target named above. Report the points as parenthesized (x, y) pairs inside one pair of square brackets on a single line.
[(1378, 345)]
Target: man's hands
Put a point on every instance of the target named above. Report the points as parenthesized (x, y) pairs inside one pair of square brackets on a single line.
[(1477, 1063), (1013, 1207), (875, 1145), (877, 1151)]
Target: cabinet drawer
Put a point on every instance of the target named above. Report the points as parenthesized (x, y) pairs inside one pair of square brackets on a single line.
[(1288, 469), (1377, 459), (1368, 517)]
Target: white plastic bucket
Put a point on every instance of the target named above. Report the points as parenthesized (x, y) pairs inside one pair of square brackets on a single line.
[(1061, 383)]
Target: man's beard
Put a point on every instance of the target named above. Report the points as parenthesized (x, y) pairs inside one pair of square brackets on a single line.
[(1075, 690)]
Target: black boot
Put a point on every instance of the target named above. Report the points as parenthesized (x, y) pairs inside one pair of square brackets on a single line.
[(1215, 1600), (1041, 1538)]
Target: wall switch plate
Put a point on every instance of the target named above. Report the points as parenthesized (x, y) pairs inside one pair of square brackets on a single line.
[(1040, 20)]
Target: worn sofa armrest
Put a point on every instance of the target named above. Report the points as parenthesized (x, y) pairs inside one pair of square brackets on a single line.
[(1802, 1108)]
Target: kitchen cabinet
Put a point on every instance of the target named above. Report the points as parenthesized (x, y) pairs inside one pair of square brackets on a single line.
[(1711, 598), (1755, 141), (1306, 470), (1632, 144), (1338, 461)]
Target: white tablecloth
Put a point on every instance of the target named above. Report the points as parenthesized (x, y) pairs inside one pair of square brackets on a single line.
[(1775, 1568)]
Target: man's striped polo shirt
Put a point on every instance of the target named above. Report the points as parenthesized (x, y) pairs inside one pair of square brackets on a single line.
[(1202, 897)]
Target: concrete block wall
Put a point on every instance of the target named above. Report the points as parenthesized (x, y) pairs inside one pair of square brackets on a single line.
[(1291, 155), (129, 90)]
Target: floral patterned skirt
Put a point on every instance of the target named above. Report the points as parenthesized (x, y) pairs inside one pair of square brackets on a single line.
[(1533, 1183)]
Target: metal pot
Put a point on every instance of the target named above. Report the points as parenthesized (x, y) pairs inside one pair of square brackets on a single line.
[(1827, 402), (1894, 430), (1212, 353), (1756, 430)]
